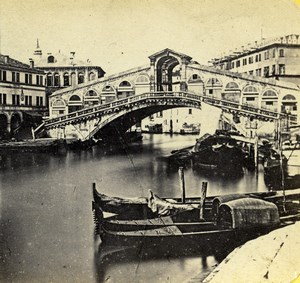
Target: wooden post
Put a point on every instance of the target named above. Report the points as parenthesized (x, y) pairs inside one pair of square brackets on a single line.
[(256, 154), (93, 187), (182, 185), (202, 198), (33, 135)]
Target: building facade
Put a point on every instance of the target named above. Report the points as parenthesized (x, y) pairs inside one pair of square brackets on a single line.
[(22, 95), (63, 70), (277, 58)]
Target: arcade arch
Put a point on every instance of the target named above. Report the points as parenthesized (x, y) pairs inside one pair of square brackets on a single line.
[(232, 92), (250, 96), (74, 103), (269, 100)]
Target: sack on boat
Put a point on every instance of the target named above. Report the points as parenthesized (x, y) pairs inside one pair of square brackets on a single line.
[(163, 208)]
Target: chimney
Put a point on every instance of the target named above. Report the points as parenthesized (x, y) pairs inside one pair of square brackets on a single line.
[(31, 63), (6, 58)]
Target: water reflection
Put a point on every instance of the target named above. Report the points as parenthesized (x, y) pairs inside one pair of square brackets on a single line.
[(148, 265)]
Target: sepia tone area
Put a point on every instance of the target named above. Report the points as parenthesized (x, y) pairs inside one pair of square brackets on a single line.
[(149, 141)]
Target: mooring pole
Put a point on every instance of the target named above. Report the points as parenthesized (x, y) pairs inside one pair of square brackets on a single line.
[(202, 198), (182, 185), (93, 187)]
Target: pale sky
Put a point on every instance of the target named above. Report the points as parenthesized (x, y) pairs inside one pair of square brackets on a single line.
[(120, 34)]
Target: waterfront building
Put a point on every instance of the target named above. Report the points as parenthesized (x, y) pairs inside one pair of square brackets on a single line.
[(277, 58), (22, 95), (63, 70)]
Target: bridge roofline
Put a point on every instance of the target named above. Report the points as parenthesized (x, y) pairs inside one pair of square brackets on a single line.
[(242, 76), (167, 50), (101, 80)]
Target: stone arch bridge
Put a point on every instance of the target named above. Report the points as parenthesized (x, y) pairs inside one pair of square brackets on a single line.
[(171, 80)]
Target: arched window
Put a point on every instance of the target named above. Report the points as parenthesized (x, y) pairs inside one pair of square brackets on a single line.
[(66, 79), (92, 76), (74, 103), (250, 95), (58, 107), (50, 59), (56, 79), (58, 103), (269, 100), (195, 78), (49, 79), (80, 78), (232, 85), (231, 92), (125, 84), (108, 94), (91, 98), (289, 104), (74, 97), (125, 89), (142, 79)]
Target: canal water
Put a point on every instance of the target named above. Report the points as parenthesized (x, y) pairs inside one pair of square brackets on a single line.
[(46, 218)]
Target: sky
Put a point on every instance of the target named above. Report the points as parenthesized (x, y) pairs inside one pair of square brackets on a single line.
[(120, 34)]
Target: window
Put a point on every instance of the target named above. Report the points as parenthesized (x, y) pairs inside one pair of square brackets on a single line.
[(269, 102), (2, 75), (56, 80), (250, 98), (3, 98), (267, 55), (245, 61), (281, 52), (30, 100), (281, 69), (16, 99), (274, 53), (16, 77), (258, 72), (250, 60), (49, 80), (266, 71), (39, 101), (210, 91), (238, 63), (80, 78), (51, 59), (39, 80), (66, 80), (159, 114), (251, 73), (232, 65), (190, 111), (273, 69), (26, 79)]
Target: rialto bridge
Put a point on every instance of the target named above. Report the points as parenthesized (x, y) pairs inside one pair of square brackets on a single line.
[(171, 80)]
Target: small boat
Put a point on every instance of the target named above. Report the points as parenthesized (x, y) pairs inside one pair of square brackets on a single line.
[(218, 153), (228, 219), (34, 145)]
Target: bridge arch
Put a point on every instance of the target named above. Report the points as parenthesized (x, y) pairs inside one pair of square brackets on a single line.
[(74, 103)]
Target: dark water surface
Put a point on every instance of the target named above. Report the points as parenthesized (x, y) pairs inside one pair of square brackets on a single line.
[(46, 217)]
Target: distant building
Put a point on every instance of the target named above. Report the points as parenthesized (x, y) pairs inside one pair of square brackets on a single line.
[(64, 70), (22, 95), (277, 58)]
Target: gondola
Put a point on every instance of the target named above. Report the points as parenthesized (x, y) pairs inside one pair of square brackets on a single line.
[(242, 218), (218, 154)]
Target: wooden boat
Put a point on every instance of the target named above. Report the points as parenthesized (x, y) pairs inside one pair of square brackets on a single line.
[(218, 153), (35, 145), (230, 218)]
